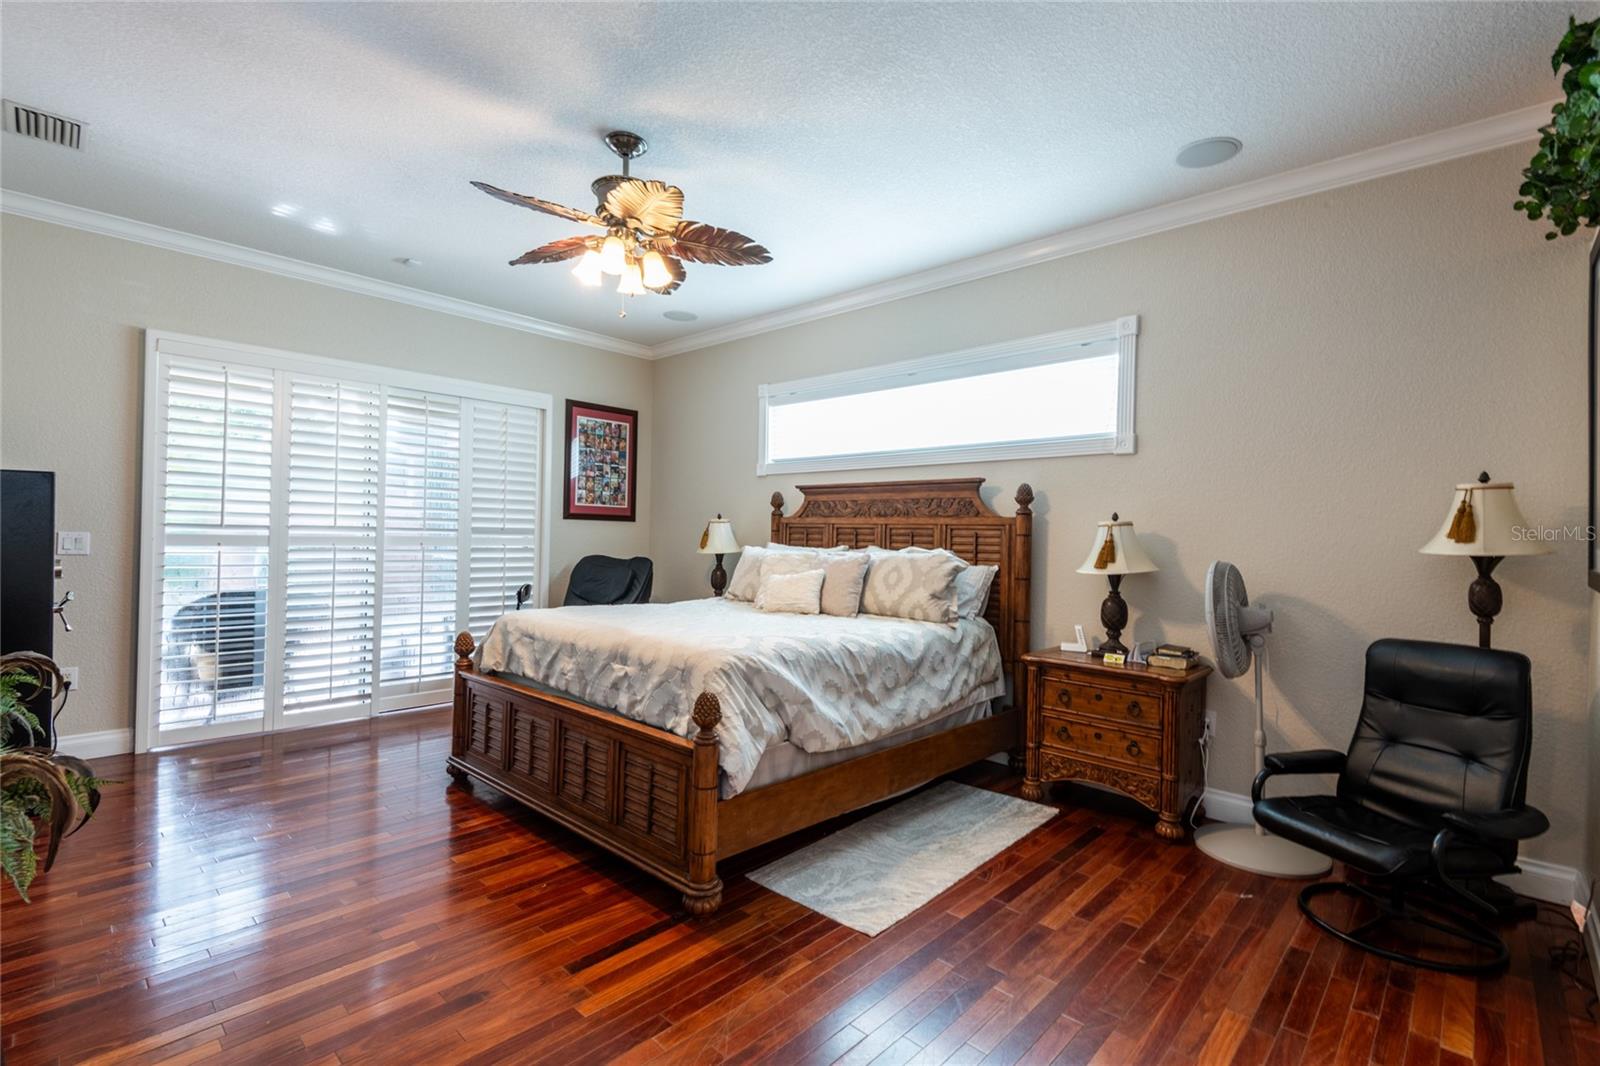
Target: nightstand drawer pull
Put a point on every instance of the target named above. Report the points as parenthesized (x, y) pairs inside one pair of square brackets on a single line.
[(1134, 710), (1062, 734), (1133, 749), (1064, 697)]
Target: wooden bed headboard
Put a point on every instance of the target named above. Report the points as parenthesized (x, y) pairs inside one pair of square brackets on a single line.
[(945, 513)]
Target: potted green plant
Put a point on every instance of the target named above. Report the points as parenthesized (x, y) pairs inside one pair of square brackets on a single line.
[(39, 786), (1562, 181)]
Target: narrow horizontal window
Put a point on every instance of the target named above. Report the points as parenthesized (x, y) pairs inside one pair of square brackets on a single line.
[(1066, 393)]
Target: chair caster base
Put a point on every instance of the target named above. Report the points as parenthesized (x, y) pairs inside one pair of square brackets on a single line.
[(1401, 910)]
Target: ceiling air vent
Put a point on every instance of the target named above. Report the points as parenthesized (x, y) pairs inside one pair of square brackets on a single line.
[(41, 125)]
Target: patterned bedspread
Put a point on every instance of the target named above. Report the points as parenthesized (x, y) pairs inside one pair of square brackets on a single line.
[(819, 681)]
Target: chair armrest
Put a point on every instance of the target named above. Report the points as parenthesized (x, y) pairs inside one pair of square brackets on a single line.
[(1519, 824), (1318, 761)]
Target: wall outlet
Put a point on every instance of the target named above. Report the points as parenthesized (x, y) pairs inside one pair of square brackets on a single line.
[(72, 543), (1211, 723), (71, 674)]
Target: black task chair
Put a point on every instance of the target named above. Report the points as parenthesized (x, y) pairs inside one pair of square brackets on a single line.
[(600, 579), (1430, 802)]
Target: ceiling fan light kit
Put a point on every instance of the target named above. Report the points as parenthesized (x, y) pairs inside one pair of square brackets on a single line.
[(646, 240)]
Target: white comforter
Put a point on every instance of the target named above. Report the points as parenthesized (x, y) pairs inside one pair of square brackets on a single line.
[(819, 681)]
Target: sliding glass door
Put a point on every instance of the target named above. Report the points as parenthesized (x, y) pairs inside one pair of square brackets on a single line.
[(316, 532)]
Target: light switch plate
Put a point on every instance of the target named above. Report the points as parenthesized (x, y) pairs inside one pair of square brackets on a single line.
[(72, 543)]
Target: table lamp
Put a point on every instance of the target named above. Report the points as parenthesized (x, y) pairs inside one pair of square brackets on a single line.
[(1485, 524), (1115, 552), (718, 540)]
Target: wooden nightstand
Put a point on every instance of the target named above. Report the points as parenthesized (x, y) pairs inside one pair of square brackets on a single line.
[(1135, 729)]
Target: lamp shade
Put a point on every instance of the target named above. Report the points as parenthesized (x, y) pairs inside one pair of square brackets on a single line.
[(1484, 520), (1124, 555), (718, 539)]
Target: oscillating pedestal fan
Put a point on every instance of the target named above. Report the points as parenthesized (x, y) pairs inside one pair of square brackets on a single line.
[(1238, 633)]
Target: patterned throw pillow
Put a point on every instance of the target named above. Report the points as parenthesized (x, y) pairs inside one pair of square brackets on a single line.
[(972, 583), (915, 585), (796, 593)]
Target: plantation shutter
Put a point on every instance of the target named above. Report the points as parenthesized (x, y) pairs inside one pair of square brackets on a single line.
[(330, 608), (422, 494), (503, 509), (315, 533), (216, 445)]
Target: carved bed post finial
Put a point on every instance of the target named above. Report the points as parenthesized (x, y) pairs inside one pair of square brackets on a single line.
[(777, 515), (1024, 498), (465, 646), (707, 713), (705, 892)]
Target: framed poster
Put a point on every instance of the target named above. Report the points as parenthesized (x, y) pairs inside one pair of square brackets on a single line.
[(1594, 412), (602, 462)]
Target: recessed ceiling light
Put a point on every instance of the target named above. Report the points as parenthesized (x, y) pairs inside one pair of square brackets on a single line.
[(285, 210), (680, 316), (1209, 152)]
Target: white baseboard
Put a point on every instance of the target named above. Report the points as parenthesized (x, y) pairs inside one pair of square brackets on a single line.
[(1540, 880), (96, 745)]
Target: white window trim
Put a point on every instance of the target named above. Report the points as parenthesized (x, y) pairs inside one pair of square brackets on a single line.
[(159, 344), (1008, 355)]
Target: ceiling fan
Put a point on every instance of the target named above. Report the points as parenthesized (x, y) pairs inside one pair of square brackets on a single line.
[(646, 238)]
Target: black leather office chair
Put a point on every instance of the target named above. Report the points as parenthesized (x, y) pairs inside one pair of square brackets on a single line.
[(600, 579), (1430, 802)]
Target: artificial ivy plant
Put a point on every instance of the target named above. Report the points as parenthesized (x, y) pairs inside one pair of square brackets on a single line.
[(1562, 181)]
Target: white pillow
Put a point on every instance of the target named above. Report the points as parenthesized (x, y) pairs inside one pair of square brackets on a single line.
[(915, 585), (972, 590), (796, 593), (791, 562), (746, 581), (845, 576)]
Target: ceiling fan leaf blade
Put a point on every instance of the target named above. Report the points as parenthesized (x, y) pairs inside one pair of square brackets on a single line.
[(701, 242), (554, 252), (648, 205), (533, 203), (675, 266)]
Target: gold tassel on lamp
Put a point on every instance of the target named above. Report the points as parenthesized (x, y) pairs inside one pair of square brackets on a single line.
[(1463, 527)]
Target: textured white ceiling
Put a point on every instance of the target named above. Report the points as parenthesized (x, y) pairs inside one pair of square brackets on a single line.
[(858, 142)]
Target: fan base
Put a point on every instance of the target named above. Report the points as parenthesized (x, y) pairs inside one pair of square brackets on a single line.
[(1244, 848)]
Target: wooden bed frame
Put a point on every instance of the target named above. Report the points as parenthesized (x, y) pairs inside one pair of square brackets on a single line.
[(651, 796)]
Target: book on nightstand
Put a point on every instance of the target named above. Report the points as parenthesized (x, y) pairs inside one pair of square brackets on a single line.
[(1173, 657)]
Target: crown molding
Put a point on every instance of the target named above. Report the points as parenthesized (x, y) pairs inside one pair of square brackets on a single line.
[(37, 207), (1471, 138)]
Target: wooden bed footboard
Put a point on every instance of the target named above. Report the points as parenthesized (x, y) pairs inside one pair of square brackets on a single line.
[(643, 793)]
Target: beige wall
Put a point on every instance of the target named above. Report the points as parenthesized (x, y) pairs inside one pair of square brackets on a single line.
[(72, 313), (1313, 378)]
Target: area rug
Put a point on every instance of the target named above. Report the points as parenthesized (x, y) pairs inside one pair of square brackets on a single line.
[(877, 871)]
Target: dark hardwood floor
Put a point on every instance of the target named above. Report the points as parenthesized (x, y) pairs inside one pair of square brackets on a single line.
[(328, 897)]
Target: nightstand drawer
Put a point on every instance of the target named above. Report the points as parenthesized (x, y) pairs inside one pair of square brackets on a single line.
[(1100, 741), (1117, 705)]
